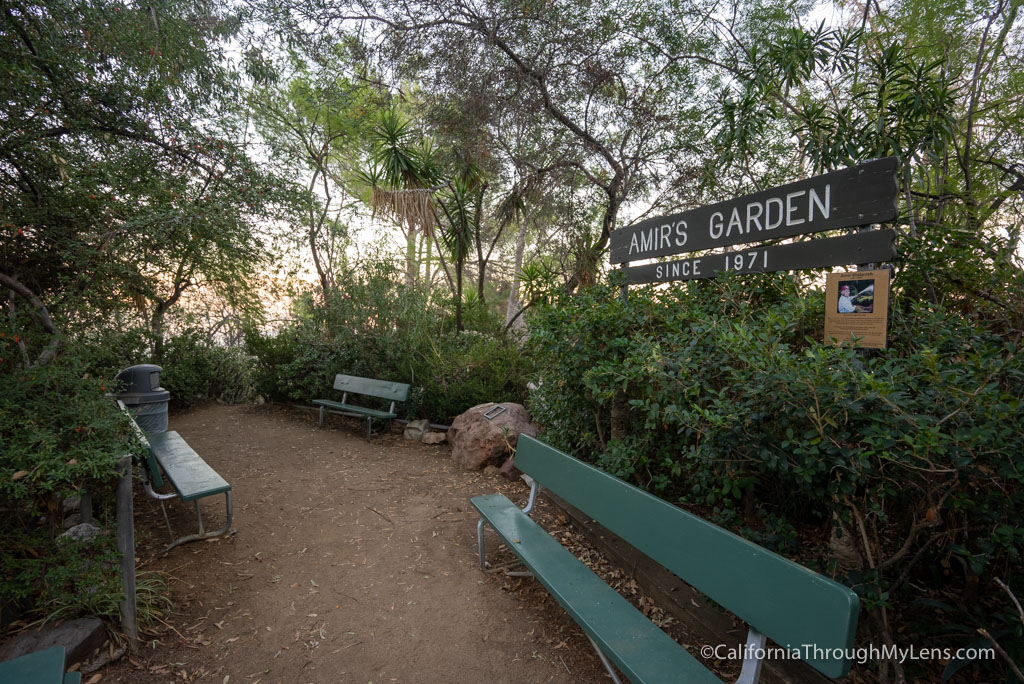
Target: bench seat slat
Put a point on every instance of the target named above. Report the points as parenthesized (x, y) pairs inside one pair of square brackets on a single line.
[(190, 475), (384, 415), (636, 645)]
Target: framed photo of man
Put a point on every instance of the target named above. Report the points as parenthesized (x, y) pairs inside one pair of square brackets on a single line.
[(857, 308)]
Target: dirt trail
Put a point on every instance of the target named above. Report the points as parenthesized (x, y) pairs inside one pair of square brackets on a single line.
[(352, 562)]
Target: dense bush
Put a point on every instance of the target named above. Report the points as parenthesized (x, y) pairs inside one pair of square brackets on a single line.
[(59, 436), (374, 326), (197, 369), (904, 465)]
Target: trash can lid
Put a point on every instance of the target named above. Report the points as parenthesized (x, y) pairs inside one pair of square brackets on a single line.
[(140, 379)]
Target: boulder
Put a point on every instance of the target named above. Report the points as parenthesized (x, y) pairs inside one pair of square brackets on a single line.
[(70, 505), (434, 438), (80, 637), (82, 532), (478, 441), (415, 428)]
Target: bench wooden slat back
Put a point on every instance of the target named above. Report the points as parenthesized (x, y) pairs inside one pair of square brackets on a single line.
[(394, 391), (785, 601)]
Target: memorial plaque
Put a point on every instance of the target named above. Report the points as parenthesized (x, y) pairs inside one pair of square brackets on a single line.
[(857, 308)]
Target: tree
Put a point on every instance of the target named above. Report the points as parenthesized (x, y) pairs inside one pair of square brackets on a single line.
[(949, 106), (124, 175), (605, 89), (317, 125)]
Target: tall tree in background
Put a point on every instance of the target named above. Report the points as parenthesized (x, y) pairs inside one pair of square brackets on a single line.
[(935, 85), (124, 173), (401, 172), (606, 88), (317, 130)]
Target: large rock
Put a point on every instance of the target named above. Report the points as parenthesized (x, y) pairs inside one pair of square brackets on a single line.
[(80, 532), (80, 637), (477, 441)]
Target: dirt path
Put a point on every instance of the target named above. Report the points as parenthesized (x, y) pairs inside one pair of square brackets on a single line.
[(352, 562)]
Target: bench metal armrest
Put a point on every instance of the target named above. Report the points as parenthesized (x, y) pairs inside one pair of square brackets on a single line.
[(534, 490)]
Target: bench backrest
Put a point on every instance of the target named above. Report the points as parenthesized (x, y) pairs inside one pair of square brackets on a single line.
[(393, 391), (790, 604), (151, 466)]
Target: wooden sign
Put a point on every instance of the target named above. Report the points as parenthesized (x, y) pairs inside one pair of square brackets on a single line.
[(855, 196), (857, 308), (859, 248)]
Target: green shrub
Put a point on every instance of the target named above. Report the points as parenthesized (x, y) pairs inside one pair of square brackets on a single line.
[(59, 436), (374, 326), (913, 455), (196, 369)]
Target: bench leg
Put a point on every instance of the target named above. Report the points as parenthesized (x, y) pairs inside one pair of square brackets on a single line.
[(202, 533), (167, 519), (321, 423), (480, 544), (148, 486), (751, 672), (605, 662), (483, 561), (369, 427)]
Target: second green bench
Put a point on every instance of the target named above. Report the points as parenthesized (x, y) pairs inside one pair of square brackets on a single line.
[(351, 384), (169, 456)]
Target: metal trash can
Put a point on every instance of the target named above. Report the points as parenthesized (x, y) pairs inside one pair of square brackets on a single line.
[(140, 390)]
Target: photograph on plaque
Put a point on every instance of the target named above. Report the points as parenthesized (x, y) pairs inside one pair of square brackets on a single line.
[(857, 308), (856, 296)]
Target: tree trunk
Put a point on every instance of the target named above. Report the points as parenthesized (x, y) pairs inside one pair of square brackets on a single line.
[(411, 266), (514, 303), (321, 272), (428, 261), (458, 292), (156, 331)]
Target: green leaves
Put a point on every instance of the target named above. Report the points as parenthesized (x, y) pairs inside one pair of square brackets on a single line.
[(729, 407)]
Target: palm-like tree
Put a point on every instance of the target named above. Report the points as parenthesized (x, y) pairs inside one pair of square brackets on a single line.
[(403, 169), (408, 184), (462, 205)]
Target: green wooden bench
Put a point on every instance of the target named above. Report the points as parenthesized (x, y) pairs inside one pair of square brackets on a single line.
[(778, 598), (42, 667), (350, 384), (191, 478)]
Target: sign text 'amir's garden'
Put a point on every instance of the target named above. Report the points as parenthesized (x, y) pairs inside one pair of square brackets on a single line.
[(855, 196)]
